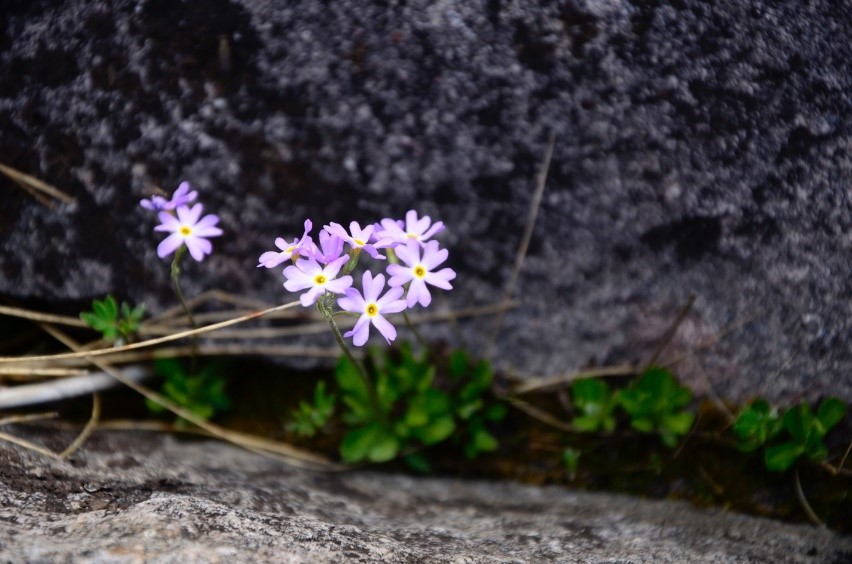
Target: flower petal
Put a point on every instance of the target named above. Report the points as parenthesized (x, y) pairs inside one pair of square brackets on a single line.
[(208, 220), (271, 259), (409, 253), (352, 301), (433, 256), (332, 268), (372, 286), (418, 292), (168, 222), (360, 332), (168, 245), (399, 277), (436, 228), (395, 306), (441, 279), (189, 216), (339, 285), (391, 295), (198, 247), (384, 326), (310, 297), (206, 231)]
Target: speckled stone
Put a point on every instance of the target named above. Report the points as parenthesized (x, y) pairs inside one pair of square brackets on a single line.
[(142, 497), (700, 147)]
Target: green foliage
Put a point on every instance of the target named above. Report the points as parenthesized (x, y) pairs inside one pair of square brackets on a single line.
[(755, 425), (655, 403), (202, 393), (117, 324), (413, 412), (805, 432), (471, 405), (571, 460), (594, 403), (311, 417)]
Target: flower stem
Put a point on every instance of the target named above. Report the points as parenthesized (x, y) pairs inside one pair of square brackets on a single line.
[(362, 372), (179, 293)]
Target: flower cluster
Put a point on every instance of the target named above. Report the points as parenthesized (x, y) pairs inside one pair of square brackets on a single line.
[(184, 223), (323, 268)]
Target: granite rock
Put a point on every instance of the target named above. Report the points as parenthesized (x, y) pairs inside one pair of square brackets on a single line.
[(700, 147), (130, 497)]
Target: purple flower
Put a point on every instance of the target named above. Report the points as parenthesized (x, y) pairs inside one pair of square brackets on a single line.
[(420, 271), (308, 273), (271, 259), (187, 229), (371, 307), (329, 249), (416, 229), (359, 238), (181, 197)]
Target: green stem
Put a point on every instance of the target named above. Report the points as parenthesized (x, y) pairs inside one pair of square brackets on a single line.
[(371, 390), (352, 262), (179, 293)]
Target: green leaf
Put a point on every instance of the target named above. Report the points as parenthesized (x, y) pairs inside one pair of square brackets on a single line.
[(571, 460), (797, 421), (586, 423), (669, 439), (780, 457), (437, 430), (831, 411), (384, 448), (416, 415), (418, 463), (483, 441), (349, 380), (589, 392), (496, 412), (437, 402), (678, 423), (358, 443), (466, 410), (482, 375), (458, 363), (643, 424)]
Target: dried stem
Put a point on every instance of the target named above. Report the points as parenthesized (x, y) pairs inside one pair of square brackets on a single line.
[(150, 342), (803, 501), (546, 382), (541, 180), (294, 457), (87, 430)]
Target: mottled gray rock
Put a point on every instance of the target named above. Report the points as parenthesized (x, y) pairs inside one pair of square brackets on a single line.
[(701, 146), (139, 497)]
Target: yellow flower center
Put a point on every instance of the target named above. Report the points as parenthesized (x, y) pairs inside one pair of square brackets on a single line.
[(320, 279), (414, 236), (360, 242), (185, 230), (419, 271), (290, 249), (372, 310)]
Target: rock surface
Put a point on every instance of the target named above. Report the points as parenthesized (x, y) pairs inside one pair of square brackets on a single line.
[(701, 146), (142, 497)]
